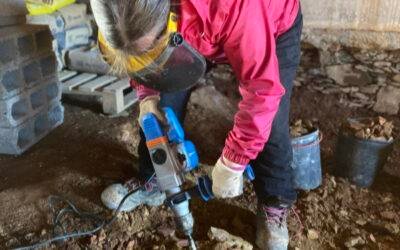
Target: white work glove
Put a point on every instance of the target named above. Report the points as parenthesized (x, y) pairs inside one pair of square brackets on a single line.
[(150, 104), (227, 182)]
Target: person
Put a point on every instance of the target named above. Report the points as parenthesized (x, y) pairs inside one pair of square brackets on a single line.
[(165, 47)]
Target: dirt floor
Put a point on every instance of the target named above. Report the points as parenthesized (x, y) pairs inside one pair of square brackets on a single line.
[(90, 151)]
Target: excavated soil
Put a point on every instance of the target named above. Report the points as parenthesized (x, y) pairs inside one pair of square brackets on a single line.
[(90, 151)]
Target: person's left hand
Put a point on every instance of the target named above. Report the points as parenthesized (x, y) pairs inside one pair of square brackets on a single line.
[(227, 181)]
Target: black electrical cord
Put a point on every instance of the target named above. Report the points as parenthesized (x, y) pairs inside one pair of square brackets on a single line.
[(70, 208)]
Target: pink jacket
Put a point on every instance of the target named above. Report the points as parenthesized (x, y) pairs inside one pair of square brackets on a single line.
[(243, 33)]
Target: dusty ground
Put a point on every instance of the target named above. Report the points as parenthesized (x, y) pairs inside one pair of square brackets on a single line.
[(90, 151)]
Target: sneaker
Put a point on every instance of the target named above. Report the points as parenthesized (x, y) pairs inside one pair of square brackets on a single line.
[(272, 232), (148, 194)]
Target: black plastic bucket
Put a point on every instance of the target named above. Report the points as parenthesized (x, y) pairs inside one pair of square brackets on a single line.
[(359, 160)]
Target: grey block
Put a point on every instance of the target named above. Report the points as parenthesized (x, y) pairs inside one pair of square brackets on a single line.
[(14, 111), (12, 20), (18, 109), (32, 72), (14, 79), (12, 12), (26, 44), (48, 65), (11, 82), (44, 40), (13, 8), (23, 42), (17, 140)]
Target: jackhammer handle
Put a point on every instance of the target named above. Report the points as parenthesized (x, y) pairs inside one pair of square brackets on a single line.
[(204, 184), (249, 173)]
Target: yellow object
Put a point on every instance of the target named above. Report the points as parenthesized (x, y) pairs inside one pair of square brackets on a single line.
[(42, 7), (137, 63)]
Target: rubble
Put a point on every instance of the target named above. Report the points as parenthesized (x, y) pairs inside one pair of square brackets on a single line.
[(300, 127), (312, 234), (346, 74), (378, 129), (362, 78), (354, 241), (227, 241)]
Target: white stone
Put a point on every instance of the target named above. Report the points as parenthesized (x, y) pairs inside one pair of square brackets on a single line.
[(370, 89), (396, 78), (382, 64), (388, 100), (228, 241), (345, 75)]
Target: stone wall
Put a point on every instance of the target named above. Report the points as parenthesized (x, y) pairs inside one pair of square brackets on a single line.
[(360, 78)]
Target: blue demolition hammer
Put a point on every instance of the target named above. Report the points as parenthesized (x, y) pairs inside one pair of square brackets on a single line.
[(172, 157)]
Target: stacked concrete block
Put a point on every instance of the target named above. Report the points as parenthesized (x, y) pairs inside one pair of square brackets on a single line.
[(30, 91), (19, 108), (12, 12), (17, 140)]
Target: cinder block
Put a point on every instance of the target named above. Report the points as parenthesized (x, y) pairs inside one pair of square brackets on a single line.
[(26, 44), (11, 82), (44, 40), (12, 12), (48, 65), (44, 96), (22, 42), (41, 124), (16, 110), (53, 91), (17, 140), (31, 73), (38, 98), (55, 115), (8, 48)]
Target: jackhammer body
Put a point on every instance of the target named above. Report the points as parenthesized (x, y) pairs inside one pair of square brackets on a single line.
[(172, 157)]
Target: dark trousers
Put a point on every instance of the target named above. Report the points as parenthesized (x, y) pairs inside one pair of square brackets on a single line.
[(273, 183)]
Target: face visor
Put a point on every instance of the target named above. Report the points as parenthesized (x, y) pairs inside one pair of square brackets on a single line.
[(172, 65)]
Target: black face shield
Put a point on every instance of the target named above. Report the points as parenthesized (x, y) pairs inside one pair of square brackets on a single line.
[(178, 67)]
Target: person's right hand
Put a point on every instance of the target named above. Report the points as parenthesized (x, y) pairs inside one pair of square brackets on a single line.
[(150, 104)]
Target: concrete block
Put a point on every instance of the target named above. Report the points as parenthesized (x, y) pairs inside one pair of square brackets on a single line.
[(18, 109), (13, 7), (15, 79), (53, 91), (23, 42), (32, 72), (55, 115), (8, 48), (26, 44), (11, 82), (18, 139), (44, 95), (12, 12), (44, 40), (48, 65), (14, 111)]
